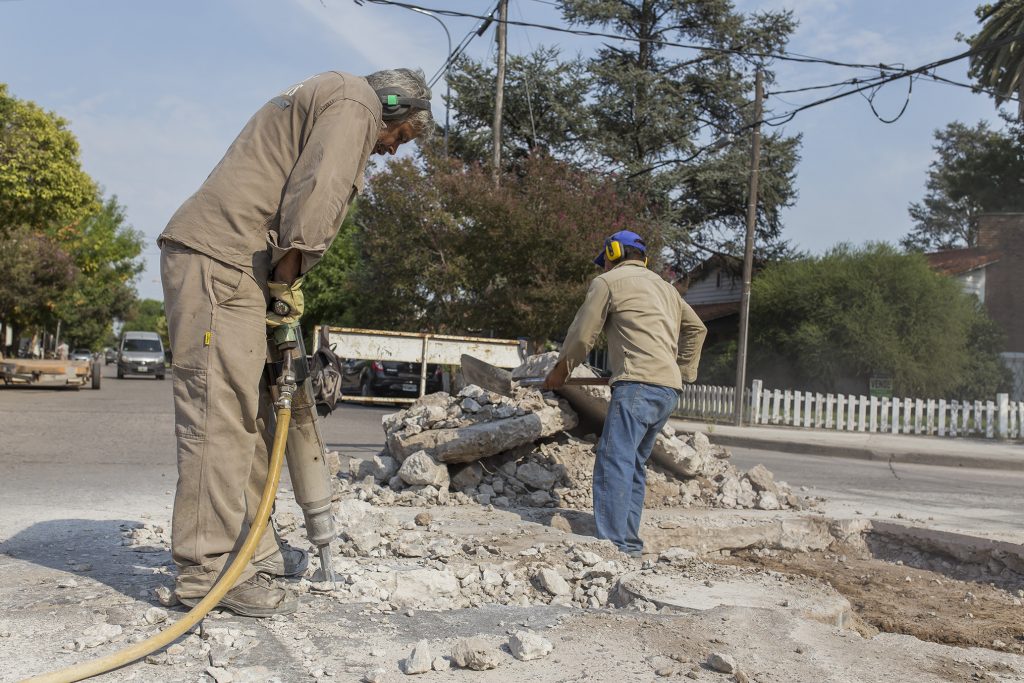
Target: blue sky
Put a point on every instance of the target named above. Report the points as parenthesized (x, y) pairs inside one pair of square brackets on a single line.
[(155, 92)]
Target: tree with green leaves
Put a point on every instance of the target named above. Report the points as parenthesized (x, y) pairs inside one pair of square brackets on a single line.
[(441, 249), (643, 112), (41, 179), (35, 273), (977, 170), (329, 298), (1001, 68), (829, 323), (656, 106), (105, 250), (545, 107)]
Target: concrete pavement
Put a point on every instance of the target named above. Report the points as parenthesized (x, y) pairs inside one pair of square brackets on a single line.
[(923, 450)]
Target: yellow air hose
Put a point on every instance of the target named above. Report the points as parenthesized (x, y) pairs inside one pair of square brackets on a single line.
[(226, 582)]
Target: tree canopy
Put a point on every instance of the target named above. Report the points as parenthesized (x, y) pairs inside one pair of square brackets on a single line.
[(68, 254), (646, 113), (41, 179), (977, 170), (1000, 69), (442, 249), (830, 323)]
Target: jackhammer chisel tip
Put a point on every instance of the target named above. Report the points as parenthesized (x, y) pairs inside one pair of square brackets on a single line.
[(325, 564)]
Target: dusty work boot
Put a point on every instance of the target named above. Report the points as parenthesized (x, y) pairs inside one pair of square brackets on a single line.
[(290, 562), (257, 596)]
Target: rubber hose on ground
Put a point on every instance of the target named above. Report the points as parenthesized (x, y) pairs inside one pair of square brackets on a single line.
[(226, 582)]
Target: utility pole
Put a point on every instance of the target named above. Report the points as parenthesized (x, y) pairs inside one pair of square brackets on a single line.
[(499, 96), (748, 250)]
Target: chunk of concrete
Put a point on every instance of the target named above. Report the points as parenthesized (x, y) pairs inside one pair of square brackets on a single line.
[(381, 467), (476, 654), (467, 444), (419, 469), (552, 582), (422, 588), (525, 646), (762, 479), (419, 660), (467, 477), (536, 476)]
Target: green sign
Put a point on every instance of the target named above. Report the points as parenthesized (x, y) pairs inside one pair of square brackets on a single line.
[(880, 386)]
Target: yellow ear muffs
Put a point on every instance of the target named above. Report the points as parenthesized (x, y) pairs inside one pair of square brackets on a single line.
[(613, 250)]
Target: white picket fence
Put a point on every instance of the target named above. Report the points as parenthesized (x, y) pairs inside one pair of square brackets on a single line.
[(1001, 418), (708, 402)]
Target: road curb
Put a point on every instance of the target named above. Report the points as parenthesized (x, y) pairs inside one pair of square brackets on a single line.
[(963, 547), (867, 453)]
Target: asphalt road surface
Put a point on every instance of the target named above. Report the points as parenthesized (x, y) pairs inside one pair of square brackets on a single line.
[(109, 454), (982, 502)]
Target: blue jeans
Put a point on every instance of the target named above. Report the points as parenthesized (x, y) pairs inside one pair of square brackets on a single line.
[(636, 414)]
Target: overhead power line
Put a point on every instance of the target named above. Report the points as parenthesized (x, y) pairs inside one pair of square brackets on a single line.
[(784, 56), (906, 73)]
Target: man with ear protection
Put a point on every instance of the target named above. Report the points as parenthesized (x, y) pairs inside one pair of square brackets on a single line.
[(260, 221), (654, 343)]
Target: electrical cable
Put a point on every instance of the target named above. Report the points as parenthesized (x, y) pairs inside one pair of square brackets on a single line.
[(526, 82), (459, 49), (871, 102), (784, 56), (976, 88), (923, 69)]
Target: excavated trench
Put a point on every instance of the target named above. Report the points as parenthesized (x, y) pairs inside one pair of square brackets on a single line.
[(936, 586)]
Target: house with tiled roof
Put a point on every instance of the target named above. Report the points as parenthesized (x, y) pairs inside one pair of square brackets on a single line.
[(713, 289), (993, 270), (969, 266)]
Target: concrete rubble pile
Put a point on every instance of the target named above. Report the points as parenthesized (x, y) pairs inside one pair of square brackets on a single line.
[(422, 564), (521, 451)]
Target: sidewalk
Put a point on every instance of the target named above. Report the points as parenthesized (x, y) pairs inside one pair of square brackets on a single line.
[(923, 450)]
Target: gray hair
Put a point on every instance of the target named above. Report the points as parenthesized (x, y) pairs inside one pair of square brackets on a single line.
[(414, 83)]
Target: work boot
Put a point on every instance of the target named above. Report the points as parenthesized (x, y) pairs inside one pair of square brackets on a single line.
[(290, 562), (257, 596)]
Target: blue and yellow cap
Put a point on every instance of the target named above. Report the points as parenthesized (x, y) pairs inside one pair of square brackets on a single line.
[(615, 245)]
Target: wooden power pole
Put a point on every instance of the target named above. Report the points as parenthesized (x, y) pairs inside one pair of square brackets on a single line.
[(499, 96), (748, 250)]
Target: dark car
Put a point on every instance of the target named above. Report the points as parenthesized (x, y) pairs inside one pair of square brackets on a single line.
[(387, 378)]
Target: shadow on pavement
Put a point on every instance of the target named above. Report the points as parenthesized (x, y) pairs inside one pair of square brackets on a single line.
[(86, 549)]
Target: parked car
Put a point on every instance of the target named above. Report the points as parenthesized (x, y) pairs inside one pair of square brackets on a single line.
[(109, 355), (80, 354), (141, 353), (387, 378)]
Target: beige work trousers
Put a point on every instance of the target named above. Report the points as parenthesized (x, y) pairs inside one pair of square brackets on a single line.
[(216, 323)]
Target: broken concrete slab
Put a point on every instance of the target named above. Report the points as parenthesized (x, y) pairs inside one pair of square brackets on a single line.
[(805, 597), (476, 441)]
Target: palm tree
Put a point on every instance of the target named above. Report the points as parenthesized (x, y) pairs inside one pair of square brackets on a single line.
[(1001, 68)]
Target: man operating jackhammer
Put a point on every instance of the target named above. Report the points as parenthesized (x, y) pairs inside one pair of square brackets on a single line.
[(654, 342), (233, 258)]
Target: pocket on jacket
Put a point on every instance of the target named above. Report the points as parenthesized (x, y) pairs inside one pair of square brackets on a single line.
[(189, 403)]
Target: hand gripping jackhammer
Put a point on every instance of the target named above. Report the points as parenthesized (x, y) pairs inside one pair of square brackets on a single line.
[(305, 454)]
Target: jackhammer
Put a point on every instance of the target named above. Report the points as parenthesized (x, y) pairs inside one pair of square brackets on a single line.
[(306, 454), (295, 431)]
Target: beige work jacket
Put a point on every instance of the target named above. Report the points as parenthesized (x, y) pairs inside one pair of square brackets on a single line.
[(287, 180), (653, 335)]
